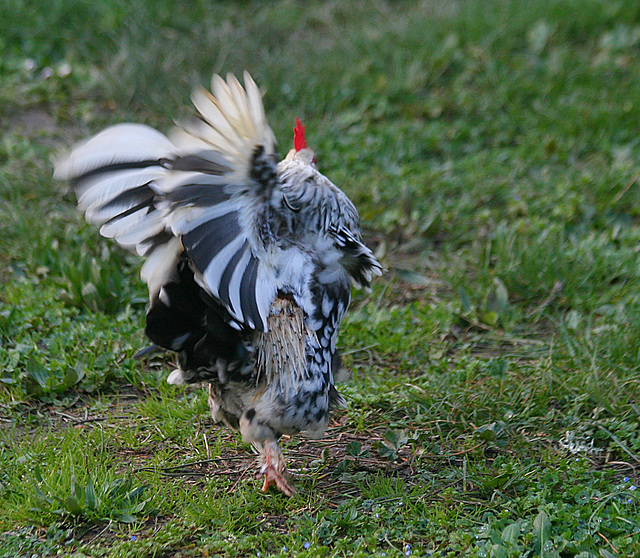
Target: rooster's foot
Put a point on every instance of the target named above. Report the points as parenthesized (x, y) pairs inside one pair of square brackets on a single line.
[(272, 469)]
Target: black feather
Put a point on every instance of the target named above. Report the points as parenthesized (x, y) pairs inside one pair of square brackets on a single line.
[(205, 241), (198, 195), (189, 321), (194, 163), (248, 293), (225, 280)]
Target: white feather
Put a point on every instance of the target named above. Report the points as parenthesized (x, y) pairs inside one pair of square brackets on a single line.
[(183, 220), (172, 181), (135, 233), (240, 97), (122, 143), (227, 103), (187, 139), (210, 109), (119, 227), (160, 266), (256, 108), (265, 292), (102, 188), (176, 377)]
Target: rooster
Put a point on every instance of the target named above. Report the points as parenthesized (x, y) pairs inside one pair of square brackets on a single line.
[(249, 262)]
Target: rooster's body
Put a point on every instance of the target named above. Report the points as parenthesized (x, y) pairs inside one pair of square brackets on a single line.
[(249, 262)]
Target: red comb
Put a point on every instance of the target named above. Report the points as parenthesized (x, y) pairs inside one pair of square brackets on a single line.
[(298, 136)]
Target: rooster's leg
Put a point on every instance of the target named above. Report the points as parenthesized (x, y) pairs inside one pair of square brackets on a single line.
[(272, 468)]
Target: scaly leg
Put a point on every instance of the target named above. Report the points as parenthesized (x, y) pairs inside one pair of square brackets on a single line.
[(273, 467)]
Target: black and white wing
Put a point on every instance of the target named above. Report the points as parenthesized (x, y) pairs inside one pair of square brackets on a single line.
[(209, 190)]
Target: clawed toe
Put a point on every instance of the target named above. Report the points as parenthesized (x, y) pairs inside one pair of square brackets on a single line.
[(273, 478)]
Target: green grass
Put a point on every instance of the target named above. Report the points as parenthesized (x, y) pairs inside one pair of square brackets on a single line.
[(492, 150)]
